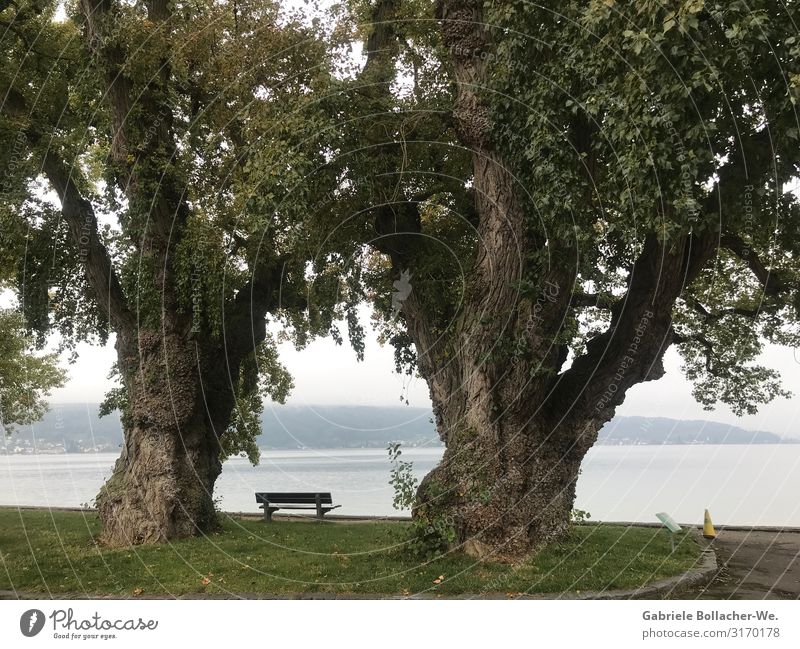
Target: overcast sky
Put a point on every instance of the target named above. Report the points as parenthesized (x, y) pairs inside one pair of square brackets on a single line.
[(325, 373)]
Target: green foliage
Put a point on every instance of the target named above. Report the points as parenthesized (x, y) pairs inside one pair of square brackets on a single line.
[(116, 399), (270, 152), (432, 535), (672, 118), (431, 532), (202, 139), (578, 516), (616, 120), (26, 377), (262, 376), (402, 479)]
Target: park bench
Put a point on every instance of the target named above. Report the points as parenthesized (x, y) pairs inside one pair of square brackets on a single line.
[(272, 502)]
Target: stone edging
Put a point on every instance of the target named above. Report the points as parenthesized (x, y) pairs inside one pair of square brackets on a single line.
[(700, 574)]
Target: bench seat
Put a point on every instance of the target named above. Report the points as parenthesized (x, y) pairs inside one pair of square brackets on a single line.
[(271, 502)]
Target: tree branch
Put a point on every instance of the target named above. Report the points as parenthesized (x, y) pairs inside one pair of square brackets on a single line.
[(382, 44), (770, 280), (695, 304), (112, 59), (82, 222), (245, 317), (593, 300), (631, 349), (680, 339), (79, 215)]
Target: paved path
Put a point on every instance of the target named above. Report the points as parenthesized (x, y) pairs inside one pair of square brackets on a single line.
[(754, 565)]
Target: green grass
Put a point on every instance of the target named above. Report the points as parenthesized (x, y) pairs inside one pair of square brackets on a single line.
[(54, 552)]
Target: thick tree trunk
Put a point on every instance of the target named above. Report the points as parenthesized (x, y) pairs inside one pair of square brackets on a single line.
[(500, 510), (506, 484), (162, 485)]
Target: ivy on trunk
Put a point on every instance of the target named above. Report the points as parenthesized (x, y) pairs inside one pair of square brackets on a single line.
[(188, 130), (591, 199)]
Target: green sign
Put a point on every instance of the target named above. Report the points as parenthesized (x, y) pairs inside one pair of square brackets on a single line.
[(669, 523)]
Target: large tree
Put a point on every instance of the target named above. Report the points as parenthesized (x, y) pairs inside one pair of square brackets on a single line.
[(574, 188), (169, 170)]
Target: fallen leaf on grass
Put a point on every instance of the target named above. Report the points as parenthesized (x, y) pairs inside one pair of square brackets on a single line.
[(137, 591)]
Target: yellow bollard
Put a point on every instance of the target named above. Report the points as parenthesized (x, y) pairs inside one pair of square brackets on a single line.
[(708, 528)]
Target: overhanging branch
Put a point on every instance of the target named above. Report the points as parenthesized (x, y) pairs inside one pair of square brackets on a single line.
[(680, 339), (382, 45), (82, 222), (770, 280), (631, 349), (593, 300), (710, 316)]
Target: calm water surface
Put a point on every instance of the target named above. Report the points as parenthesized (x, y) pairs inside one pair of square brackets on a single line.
[(746, 485)]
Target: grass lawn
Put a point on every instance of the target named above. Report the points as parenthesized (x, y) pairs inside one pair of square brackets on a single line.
[(54, 552)]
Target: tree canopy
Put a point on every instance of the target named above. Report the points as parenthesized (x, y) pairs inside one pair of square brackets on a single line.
[(574, 188), (26, 377), (170, 174), (615, 124), (562, 191)]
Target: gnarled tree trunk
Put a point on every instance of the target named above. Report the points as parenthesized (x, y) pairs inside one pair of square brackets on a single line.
[(505, 495), (162, 485), (516, 435), (516, 424)]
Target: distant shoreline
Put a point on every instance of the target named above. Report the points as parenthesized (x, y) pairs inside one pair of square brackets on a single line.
[(115, 451), (78, 429)]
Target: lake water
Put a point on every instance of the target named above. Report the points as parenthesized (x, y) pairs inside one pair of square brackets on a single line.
[(742, 485)]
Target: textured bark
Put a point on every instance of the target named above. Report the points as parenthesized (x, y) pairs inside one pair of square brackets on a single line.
[(179, 386), (515, 425), (505, 489), (162, 485), (79, 215), (179, 394), (179, 379), (506, 482), (515, 444)]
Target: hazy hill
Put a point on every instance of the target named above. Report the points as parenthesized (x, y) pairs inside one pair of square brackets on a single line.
[(76, 427), (661, 430)]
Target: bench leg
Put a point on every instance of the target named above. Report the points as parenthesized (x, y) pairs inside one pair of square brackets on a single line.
[(268, 511)]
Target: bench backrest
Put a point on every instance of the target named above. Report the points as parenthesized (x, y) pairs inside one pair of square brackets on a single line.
[(294, 498)]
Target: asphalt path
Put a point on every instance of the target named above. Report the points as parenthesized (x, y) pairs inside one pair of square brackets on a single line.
[(754, 564)]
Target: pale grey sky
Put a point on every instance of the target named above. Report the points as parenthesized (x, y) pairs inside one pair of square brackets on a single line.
[(325, 373)]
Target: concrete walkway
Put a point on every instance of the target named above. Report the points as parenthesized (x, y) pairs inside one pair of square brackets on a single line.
[(754, 564)]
